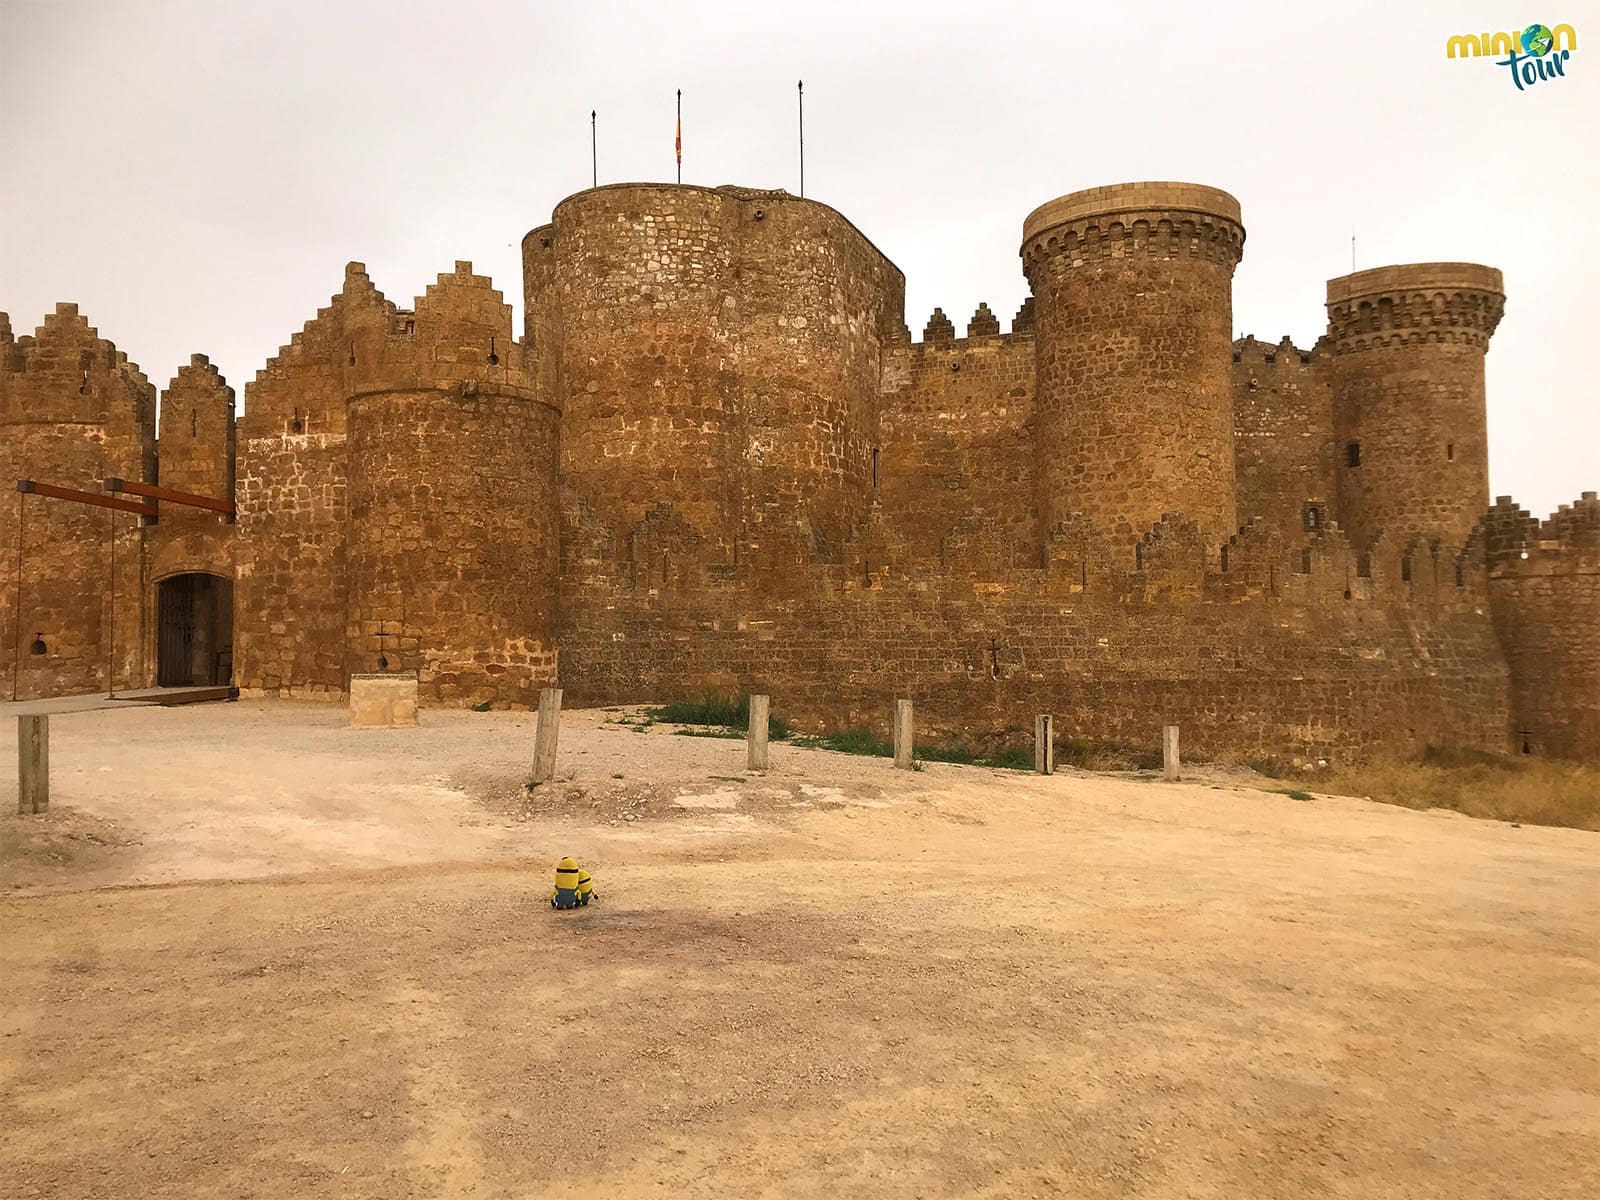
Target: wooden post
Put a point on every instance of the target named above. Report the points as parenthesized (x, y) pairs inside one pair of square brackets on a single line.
[(33, 764), (1169, 752), (544, 737), (756, 739), (903, 741), (1044, 746)]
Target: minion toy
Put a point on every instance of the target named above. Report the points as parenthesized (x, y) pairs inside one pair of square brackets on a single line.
[(585, 887), (566, 892)]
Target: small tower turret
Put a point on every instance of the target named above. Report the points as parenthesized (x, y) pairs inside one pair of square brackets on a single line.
[(1134, 292), (1406, 368)]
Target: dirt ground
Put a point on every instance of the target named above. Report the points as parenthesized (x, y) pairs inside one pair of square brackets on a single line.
[(251, 953)]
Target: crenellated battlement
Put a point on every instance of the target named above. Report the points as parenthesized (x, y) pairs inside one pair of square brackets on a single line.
[(200, 372), (1162, 219), (940, 332), (63, 344), (66, 373), (664, 553), (1513, 540), (318, 337), (457, 335), (1415, 303), (1248, 349)]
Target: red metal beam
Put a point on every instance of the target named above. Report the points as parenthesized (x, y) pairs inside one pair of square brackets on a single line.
[(34, 487), (170, 496)]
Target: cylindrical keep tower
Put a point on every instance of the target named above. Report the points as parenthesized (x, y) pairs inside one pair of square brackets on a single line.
[(624, 295), (715, 349), (453, 513), (1134, 292), (1408, 397)]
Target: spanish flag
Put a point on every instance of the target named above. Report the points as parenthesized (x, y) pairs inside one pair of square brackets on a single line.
[(677, 142)]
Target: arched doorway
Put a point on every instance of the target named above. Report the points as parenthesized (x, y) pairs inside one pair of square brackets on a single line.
[(194, 631)]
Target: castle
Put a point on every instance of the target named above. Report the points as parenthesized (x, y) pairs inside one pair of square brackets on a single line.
[(717, 460)]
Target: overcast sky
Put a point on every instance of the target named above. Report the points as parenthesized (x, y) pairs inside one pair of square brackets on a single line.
[(196, 175)]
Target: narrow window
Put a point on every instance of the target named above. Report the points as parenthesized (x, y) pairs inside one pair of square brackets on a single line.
[(874, 466), (1352, 454), (1313, 517), (1450, 451)]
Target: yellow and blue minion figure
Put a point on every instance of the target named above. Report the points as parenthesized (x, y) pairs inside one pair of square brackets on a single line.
[(585, 887), (566, 891)]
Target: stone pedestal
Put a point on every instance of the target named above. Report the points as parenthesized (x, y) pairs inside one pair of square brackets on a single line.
[(383, 701)]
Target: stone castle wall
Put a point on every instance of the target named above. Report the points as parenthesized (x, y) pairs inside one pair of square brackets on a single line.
[(717, 460), (1544, 589), (1286, 651), (73, 413), (290, 594), (1283, 447), (957, 433)]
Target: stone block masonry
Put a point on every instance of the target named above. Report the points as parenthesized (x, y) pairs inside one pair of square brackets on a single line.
[(383, 701), (716, 460), (1134, 292)]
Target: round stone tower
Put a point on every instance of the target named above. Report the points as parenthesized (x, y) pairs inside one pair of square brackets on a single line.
[(1408, 398), (716, 349), (1134, 292), (453, 518), (624, 302)]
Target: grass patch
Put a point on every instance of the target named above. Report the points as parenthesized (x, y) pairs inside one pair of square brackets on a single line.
[(715, 710), (847, 741), (1294, 793), (1010, 758), (1105, 756), (484, 707), (866, 742), (1499, 787), (711, 733)]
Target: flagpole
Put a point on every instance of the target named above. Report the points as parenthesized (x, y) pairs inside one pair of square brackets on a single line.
[(594, 150), (800, 87), (680, 135)]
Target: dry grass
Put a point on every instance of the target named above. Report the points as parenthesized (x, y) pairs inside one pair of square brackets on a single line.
[(1526, 790)]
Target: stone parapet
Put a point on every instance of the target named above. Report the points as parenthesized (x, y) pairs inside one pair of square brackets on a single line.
[(1415, 302)]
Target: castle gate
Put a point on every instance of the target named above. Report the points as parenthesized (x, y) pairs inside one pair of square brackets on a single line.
[(194, 633)]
